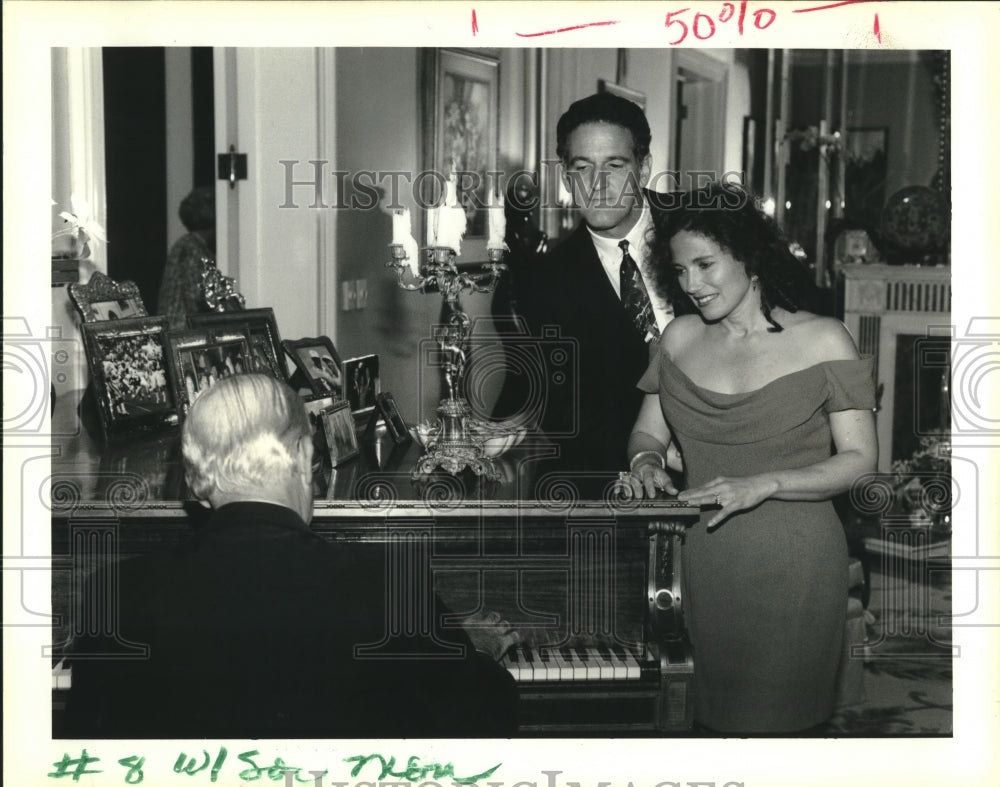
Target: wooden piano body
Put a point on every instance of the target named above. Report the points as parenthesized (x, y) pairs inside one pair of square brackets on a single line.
[(590, 581)]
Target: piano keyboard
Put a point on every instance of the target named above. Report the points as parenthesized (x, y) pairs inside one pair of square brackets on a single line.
[(62, 676), (571, 663)]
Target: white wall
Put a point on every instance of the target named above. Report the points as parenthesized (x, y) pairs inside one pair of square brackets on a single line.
[(279, 261)]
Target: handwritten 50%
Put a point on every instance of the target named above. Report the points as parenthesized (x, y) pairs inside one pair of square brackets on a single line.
[(703, 26)]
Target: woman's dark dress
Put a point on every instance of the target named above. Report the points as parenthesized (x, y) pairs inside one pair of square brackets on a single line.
[(765, 593)]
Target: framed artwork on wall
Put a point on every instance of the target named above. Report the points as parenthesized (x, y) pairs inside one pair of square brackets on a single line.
[(461, 114)]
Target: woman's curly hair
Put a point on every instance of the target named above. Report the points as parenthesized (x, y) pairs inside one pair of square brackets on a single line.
[(728, 214)]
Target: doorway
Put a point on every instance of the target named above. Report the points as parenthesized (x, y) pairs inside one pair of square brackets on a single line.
[(150, 155), (699, 86)]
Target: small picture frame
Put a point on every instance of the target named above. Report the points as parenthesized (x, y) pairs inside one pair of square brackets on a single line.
[(200, 358), (266, 355), (102, 299), (361, 383), (130, 373), (338, 428), (316, 404), (394, 423), (318, 362)]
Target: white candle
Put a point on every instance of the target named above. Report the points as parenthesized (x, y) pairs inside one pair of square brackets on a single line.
[(432, 226), (400, 226), (402, 235), (498, 223), (451, 219)]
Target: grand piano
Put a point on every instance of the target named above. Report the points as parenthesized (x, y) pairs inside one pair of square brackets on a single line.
[(590, 579)]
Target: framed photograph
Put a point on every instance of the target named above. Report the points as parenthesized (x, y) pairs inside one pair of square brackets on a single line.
[(318, 361), (361, 383), (102, 299), (316, 404), (130, 373), (265, 344), (394, 423), (338, 428), (461, 111), (200, 358), (634, 96)]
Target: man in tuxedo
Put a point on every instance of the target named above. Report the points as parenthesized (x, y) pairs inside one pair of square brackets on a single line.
[(595, 290), (257, 627)]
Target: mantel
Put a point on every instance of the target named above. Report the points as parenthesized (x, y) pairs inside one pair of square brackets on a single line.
[(877, 289)]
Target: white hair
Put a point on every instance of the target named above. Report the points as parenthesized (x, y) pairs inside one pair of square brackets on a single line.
[(241, 434)]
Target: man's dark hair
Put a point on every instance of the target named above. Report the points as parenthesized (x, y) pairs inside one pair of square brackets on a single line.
[(605, 108)]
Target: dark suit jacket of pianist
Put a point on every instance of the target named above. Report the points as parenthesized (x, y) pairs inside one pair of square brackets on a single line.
[(589, 411), (251, 626)]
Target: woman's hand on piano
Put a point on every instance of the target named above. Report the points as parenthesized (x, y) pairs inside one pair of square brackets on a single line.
[(490, 634), (646, 479)]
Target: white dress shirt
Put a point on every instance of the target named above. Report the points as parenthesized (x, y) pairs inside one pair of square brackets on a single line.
[(610, 256)]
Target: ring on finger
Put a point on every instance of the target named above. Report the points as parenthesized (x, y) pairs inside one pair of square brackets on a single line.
[(718, 502)]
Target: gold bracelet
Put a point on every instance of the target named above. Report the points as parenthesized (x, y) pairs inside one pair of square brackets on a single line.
[(657, 454)]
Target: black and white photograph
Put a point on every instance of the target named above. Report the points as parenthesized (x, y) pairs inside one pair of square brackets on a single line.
[(262, 329), (102, 298), (200, 358), (685, 373), (315, 404), (318, 363), (362, 383), (129, 373), (338, 427), (394, 423)]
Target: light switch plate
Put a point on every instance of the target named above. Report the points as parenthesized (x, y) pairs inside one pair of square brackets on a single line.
[(348, 295)]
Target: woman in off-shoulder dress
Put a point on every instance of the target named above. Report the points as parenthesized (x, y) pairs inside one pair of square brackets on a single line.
[(771, 409)]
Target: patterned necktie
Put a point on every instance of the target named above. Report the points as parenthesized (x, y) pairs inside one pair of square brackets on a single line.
[(635, 299)]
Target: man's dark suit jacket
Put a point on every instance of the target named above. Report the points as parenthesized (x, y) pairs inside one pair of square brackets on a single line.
[(251, 627), (590, 418)]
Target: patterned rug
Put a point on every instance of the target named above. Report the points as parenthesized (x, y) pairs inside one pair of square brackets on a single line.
[(907, 676)]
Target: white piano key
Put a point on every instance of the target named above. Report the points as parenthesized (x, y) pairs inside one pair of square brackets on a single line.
[(527, 663), (62, 676), (619, 670), (578, 665), (604, 665), (543, 666), (564, 667), (593, 669), (632, 671)]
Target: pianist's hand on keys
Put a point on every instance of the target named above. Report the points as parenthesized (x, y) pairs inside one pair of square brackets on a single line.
[(490, 634)]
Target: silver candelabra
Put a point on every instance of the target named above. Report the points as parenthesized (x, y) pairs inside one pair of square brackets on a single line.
[(452, 445)]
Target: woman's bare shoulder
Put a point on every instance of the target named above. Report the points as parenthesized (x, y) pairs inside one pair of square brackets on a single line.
[(823, 338), (680, 333)]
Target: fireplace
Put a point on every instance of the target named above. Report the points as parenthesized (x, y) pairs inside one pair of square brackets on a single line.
[(901, 315)]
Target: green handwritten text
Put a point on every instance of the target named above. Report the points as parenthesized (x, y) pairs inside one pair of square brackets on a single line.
[(276, 772), (415, 771)]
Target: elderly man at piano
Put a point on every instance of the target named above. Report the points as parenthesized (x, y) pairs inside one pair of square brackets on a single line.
[(256, 627)]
